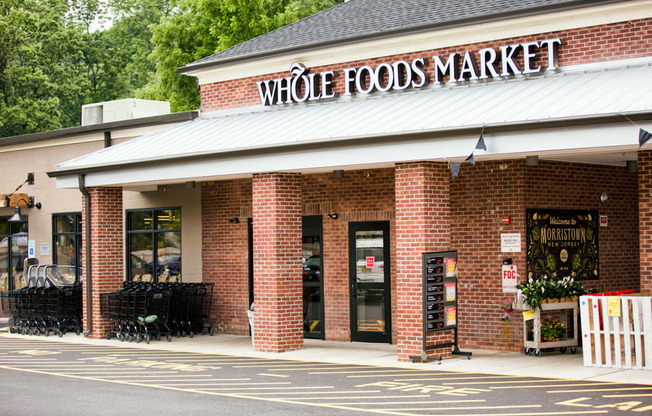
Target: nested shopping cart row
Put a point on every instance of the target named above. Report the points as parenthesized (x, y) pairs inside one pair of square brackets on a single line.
[(146, 311), (51, 303)]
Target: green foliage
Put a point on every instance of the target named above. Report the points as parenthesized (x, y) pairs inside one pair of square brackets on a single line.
[(200, 28), (537, 290), (54, 59)]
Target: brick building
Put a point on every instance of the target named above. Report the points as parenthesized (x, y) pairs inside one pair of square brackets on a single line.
[(332, 153)]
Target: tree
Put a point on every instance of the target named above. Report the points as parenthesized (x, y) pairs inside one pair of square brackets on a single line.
[(199, 28), (35, 46), (54, 57)]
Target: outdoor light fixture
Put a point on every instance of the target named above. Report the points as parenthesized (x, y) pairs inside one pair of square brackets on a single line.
[(333, 216), (234, 220), (604, 197), (18, 217), (338, 174), (531, 160)]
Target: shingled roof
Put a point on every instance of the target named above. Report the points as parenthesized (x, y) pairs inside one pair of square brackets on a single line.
[(358, 20)]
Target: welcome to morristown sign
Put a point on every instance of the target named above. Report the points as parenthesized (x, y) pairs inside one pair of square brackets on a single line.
[(303, 86), (562, 243)]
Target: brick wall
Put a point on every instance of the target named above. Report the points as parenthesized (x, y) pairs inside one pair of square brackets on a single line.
[(359, 196), (479, 197), (645, 213), (225, 252), (422, 224), (107, 249), (482, 194), (584, 45), (362, 195), (278, 279)]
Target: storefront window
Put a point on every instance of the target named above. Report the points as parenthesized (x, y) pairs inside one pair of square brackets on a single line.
[(13, 252), (154, 245), (66, 239)]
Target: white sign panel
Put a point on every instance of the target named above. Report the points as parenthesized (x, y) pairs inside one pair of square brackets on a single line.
[(510, 242), (510, 276), (45, 249), (31, 249)]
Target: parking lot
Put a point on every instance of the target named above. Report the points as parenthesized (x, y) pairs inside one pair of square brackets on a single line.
[(345, 387)]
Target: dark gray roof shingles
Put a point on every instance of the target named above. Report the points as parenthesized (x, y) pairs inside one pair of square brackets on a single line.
[(360, 18)]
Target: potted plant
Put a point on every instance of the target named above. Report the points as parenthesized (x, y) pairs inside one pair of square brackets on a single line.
[(545, 290), (552, 330)]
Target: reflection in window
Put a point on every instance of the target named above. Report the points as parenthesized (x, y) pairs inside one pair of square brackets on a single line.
[(67, 241), (154, 245), (13, 252)]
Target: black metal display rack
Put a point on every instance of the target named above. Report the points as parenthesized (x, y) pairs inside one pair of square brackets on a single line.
[(439, 301)]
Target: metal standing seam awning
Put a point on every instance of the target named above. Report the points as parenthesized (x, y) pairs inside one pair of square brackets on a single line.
[(436, 123)]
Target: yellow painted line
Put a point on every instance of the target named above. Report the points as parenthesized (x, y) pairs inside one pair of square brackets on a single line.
[(72, 373), (455, 378), (550, 386), (176, 376), (413, 402), (588, 390), (275, 388), (284, 365), (181, 383), (333, 392), (69, 367), (370, 373), (528, 381), (208, 382), (627, 395), (412, 409), (274, 375), (313, 398), (279, 400)]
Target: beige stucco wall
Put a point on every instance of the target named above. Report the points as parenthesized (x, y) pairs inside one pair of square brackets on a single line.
[(16, 161)]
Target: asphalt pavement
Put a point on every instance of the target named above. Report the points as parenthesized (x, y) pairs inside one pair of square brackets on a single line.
[(549, 364)]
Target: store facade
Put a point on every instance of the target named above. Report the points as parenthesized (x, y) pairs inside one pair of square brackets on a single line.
[(328, 163)]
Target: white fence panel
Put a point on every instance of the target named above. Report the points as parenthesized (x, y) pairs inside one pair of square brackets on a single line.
[(623, 340)]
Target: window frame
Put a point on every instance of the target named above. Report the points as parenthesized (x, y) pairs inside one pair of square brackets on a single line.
[(10, 235), (77, 233), (154, 233)]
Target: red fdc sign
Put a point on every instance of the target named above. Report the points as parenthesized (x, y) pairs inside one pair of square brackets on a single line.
[(370, 263)]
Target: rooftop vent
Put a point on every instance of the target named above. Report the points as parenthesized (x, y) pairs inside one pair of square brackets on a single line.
[(119, 110)]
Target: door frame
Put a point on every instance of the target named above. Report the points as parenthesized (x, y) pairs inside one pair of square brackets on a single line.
[(313, 225), (361, 336)]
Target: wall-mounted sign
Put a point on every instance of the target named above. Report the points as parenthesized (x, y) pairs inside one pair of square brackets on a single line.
[(486, 63), (45, 249), (562, 243), (31, 249), (510, 277), (510, 242)]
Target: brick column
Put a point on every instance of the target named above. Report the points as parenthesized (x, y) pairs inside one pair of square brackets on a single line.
[(278, 284), (645, 218), (422, 224), (107, 252)]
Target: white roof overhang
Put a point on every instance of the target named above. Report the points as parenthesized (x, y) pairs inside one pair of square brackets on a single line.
[(576, 111)]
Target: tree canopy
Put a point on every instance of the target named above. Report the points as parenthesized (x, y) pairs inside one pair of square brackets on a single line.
[(56, 55)]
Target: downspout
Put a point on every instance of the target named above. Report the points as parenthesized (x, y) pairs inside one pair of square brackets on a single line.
[(87, 231)]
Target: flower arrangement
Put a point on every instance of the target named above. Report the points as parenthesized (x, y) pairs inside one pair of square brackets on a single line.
[(552, 330), (537, 291)]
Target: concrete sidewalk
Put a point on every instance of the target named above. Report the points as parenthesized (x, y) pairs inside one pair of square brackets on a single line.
[(550, 364)]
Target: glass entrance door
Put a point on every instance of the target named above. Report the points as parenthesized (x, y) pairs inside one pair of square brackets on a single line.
[(369, 272), (313, 278)]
